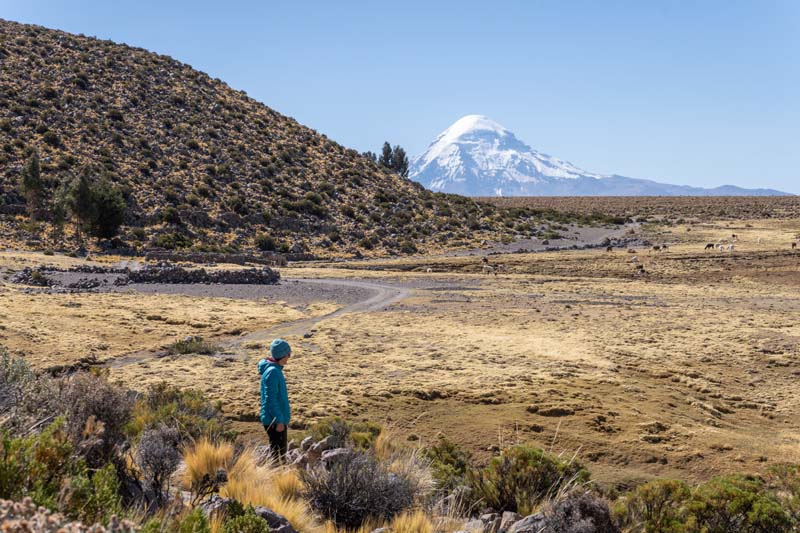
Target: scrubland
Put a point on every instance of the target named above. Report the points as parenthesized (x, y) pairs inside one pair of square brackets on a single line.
[(687, 370)]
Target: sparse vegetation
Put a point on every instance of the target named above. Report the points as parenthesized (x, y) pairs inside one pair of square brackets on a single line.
[(307, 184), (358, 489)]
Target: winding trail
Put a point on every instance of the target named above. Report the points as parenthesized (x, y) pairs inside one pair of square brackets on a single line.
[(382, 297)]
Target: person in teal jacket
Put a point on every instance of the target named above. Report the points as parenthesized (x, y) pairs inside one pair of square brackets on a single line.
[(275, 410)]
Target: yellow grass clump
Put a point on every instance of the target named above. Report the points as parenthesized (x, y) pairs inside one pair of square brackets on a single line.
[(412, 522), (408, 522), (271, 486), (205, 458)]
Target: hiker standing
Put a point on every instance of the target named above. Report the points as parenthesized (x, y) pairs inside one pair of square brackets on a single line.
[(275, 411)]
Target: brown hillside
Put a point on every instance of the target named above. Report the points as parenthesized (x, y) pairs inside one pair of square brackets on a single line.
[(231, 168)]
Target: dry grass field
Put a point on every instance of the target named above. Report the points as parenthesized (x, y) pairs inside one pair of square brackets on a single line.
[(676, 207), (687, 370)]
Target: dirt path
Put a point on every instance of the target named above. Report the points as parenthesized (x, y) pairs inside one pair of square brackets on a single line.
[(381, 296)]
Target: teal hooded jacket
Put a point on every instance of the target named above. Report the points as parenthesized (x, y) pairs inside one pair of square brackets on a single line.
[(274, 398)]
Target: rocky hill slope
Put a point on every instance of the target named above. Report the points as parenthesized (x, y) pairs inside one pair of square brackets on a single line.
[(202, 166)]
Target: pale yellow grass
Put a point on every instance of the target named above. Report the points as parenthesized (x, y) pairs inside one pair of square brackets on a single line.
[(271, 486), (58, 329), (204, 459), (409, 522)]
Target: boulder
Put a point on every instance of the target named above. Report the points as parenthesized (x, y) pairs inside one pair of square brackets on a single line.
[(215, 505), (509, 519), (277, 523), (474, 526), (314, 453), (330, 457), (530, 524), (491, 522)]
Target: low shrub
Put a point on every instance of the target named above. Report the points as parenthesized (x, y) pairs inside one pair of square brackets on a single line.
[(194, 522), (249, 522), (92, 500), (96, 413), (266, 243), (737, 503), (94, 410), (449, 464), (579, 512), (659, 506), (784, 482), (357, 488), (16, 378), (157, 457), (522, 477), (193, 345), (186, 409), (344, 434), (36, 465)]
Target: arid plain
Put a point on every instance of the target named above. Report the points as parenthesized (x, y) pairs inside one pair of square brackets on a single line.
[(682, 363)]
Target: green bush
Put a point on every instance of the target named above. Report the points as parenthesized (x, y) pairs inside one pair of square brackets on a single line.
[(194, 522), (784, 482), (172, 241), (659, 506), (358, 434), (92, 500), (36, 465), (266, 242), (249, 522), (737, 503), (449, 464), (193, 345), (188, 410), (727, 503), (522, 477)]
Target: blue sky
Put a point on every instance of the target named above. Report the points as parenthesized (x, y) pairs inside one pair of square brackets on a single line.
[(694, 92)]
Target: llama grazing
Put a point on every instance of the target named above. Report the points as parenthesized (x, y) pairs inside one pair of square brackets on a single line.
[(730, 247), (429, 270), (609, 248), (710, 246), (794, 245), (488, 269)]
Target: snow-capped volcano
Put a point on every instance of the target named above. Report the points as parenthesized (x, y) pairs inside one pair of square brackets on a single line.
[(476, 156)]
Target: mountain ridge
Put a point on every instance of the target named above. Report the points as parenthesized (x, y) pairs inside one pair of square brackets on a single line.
[(476, 156), (202, 166)]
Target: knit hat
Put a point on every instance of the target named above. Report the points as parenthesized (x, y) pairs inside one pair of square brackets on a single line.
[(279, 349)]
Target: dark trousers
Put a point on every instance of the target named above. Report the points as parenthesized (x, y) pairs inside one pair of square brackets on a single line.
[(278, 441)]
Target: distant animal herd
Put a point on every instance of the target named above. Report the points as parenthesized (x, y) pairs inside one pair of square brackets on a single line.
[(722, 245)]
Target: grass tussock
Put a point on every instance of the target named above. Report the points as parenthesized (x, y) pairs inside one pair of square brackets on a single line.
[(253, 483), (204, 460)]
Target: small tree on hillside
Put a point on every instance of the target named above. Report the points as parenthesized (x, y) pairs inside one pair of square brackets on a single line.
[(400, 161), (109, 209), (79, 201), (32, 186), (393, 158), (385, 158), (97, 205)]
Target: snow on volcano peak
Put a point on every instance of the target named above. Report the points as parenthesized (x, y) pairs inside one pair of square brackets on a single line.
[(476, 156)]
